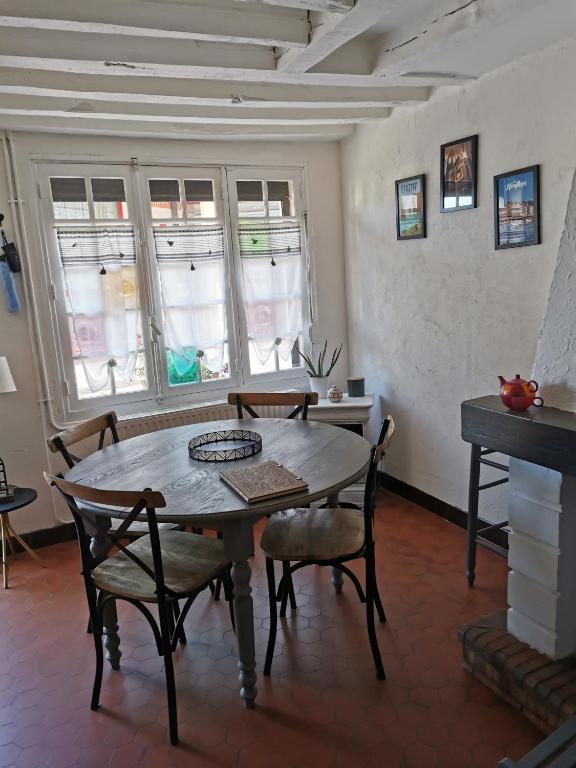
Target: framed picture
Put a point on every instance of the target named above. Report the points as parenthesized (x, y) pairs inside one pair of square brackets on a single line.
[(458, 174), (411, 208), (517, 208)]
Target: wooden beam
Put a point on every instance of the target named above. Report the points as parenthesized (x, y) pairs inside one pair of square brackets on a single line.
[(336, 6), (412, 51), (262, 96), (332, 31), (132, 129), (260, 26), (204, 116)]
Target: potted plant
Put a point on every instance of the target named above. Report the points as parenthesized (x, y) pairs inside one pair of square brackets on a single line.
[(319, 371)]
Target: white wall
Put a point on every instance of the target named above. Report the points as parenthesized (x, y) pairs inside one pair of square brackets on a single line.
[(22, 432), (433, 322)]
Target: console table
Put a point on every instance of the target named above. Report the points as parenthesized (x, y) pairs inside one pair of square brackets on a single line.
[(544, 436)]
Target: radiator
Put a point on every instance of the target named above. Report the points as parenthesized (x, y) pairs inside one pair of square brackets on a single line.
[(152, 422)]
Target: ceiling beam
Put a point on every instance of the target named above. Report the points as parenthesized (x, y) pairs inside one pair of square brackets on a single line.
[(296, 117), (129, 51), (263, 96), (331, 32), (336, 6), (133, 18), (413, 51), (131, 129)]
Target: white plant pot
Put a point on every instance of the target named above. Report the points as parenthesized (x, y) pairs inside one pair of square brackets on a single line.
[(319, 384)]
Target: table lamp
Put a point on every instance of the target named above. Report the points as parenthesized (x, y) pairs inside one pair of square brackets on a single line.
[(6, 385)]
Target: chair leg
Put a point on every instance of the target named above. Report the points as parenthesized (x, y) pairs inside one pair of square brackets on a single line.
[(370, 597), (229, 595), (166, 616), (273, 615), (378, 602), (99, 649), (288, 591), (181, 633), (4, 553)]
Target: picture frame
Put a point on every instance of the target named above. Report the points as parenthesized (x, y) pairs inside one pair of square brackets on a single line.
[(411, 207), (517, 208), (459, 175)]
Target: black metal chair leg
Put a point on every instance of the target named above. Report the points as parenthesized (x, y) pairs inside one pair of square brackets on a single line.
[(99, 649), (182, 632), (166, 619), (288, 593), (217, 588), (89, 627), (273, 615), (229, 595), (378, 602), (370, 596)]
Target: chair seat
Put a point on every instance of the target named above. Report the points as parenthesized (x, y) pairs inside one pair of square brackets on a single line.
[(189, 561), (313, 534)]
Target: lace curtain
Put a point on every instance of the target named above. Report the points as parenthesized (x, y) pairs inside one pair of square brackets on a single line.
[(191, 266), (271, 258), (99, 266)]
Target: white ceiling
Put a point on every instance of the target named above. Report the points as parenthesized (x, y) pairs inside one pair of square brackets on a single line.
[(281, 69)]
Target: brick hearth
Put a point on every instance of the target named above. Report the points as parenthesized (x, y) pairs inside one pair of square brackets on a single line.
[(543, 690)]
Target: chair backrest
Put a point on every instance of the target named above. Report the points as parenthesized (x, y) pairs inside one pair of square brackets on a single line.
[(299, 400), (377, 453), (137, 502), (60, 442)]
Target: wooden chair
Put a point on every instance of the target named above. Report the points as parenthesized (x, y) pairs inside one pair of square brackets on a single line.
[(245, 400), (328, 537), (100, 425), (161, 567)]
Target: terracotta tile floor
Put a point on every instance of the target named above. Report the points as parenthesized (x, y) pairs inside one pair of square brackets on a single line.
[(322, 706)]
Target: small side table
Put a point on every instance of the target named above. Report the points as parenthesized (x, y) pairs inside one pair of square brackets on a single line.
[(22, 497)]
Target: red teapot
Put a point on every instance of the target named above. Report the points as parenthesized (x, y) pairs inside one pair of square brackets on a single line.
[(519, 394)]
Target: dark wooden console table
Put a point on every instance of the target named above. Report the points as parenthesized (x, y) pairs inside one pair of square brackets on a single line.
[(544, 436)]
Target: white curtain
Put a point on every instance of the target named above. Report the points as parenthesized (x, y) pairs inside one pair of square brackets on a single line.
[(191, 266), (272, 283), (99, 266)]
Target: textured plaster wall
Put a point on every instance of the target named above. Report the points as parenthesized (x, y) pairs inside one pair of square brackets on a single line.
[(555, 366), (433, 322)]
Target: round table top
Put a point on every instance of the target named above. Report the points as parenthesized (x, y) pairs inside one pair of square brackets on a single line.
[(22, 497), (328, 458)]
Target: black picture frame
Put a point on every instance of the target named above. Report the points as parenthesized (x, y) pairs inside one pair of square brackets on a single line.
[(453, 164), (517, 223), (420, 221)]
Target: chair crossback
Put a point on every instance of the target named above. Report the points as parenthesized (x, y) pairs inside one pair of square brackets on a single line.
[(376, 455), (138, 502), (60, 442), (245, 400)]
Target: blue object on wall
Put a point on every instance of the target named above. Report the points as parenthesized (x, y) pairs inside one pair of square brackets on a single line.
[(9, 288)]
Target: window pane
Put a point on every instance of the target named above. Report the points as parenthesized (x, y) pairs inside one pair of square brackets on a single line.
[(69, 197), (193, 289), (280, 198), (250, 199), (101, 287), (165, 199), (199, 195), (109, 199)]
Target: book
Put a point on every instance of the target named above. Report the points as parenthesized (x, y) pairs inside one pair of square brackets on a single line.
[(260, 482)]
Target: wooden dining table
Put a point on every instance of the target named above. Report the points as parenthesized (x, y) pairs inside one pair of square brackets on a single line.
[(328, 458)]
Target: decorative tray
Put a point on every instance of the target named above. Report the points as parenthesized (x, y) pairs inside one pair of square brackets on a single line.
[(225, 445)]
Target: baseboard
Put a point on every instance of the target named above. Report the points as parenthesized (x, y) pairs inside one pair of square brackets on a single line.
[(497, 539), (47, 536)]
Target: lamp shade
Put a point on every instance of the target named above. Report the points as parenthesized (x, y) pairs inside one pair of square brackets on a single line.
[(6, 380)]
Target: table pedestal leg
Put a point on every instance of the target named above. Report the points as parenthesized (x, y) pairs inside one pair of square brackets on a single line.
[(239, 546), (99, 545), (337, 580)]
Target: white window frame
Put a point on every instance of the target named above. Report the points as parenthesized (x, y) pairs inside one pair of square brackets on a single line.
[(50, 305), (296, 176)]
